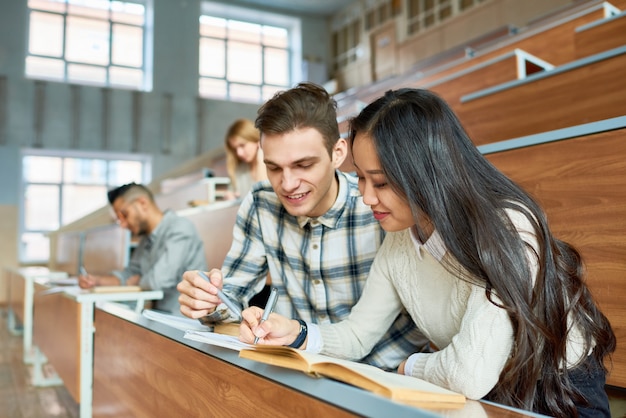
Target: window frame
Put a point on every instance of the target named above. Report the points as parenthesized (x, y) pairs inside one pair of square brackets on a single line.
[(293, 26), (145, 159), (147, 50)]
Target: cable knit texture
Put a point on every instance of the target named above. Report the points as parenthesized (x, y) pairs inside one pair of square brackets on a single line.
[(473, 335)]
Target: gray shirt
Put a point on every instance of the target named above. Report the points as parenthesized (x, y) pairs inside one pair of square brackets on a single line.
[(162, 257)]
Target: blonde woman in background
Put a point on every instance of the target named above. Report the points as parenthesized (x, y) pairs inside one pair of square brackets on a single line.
[(244, 157)]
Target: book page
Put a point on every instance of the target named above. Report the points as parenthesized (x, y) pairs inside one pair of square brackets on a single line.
[(403, 388), (213, 338), (114, 289), (179, 322)]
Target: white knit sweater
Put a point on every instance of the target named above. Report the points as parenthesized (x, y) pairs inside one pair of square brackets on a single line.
[(473, 335)]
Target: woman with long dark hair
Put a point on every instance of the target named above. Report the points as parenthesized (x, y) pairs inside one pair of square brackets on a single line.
[(469, 254)]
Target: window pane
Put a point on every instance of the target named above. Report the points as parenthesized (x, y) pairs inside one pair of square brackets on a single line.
[(122, 172), (276, 66), (244, 63), (126, 77), (210, 87), (41, 169), (79, 201), (36, 247), (132, 13), (275, 36), (87, 41), (212, 26), (52, 5), (86, 73), (243, 93), (45, 35), (127, 45), (212, 58), (243, 31), (45, 68), (84, 171), (270, 91), (41, 207)]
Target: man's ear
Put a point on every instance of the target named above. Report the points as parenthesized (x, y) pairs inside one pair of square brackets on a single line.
[(340, 152), (143, 201)]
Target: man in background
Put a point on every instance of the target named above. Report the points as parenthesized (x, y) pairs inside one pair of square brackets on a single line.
[(169, 245)]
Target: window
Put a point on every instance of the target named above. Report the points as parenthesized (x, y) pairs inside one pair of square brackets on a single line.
[(243, 60), (97, 42), (59, 188)]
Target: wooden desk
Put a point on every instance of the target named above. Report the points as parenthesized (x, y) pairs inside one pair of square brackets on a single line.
[(145, 368), (63, 333), (20, 284)]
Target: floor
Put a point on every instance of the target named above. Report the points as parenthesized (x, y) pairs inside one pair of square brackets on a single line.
[(19, 399)]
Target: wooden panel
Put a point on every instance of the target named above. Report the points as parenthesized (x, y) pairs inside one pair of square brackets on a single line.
[(581, 183), (56, 331), (384, 52), (585, 94), (140, 373), (106, 248), (16, 290), (538, 41), (492, 74), (608, 35), (215, 225)]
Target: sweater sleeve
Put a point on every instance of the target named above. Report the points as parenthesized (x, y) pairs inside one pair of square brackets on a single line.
[(370, 318), (471, 364)]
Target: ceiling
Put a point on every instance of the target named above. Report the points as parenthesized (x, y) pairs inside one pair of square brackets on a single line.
[(314, 7)]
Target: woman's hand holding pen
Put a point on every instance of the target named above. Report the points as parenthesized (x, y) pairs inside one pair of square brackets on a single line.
[(198, 297), (276, 330)]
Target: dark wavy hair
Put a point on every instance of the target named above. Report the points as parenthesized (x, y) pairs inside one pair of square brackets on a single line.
[(429, 159)]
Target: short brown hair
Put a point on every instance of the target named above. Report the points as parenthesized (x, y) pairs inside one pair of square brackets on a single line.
[(305, 106)]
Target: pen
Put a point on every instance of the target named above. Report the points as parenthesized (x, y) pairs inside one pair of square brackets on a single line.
[(269, 307), (233, 308), (83, 272)]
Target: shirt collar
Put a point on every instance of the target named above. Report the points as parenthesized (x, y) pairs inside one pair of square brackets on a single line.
[(434, 244), (152, 237), (332, 216)]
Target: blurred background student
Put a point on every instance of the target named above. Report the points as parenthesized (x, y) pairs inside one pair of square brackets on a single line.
[(168, 246), (244, 157)]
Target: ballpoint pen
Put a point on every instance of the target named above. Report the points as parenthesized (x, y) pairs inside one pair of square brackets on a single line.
[(233, 308), (269, 307)]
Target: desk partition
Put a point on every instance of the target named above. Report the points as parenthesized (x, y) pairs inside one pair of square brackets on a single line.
[(105, 248), (215, 224), (63, 334), (145, 368), (68, 252)]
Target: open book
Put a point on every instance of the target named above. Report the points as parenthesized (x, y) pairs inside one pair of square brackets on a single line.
[(401, 388)]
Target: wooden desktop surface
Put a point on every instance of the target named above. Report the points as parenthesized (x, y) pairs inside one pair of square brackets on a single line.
[(144, 368)]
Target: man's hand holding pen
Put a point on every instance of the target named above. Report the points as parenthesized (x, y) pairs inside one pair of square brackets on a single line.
[(198, 296)]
